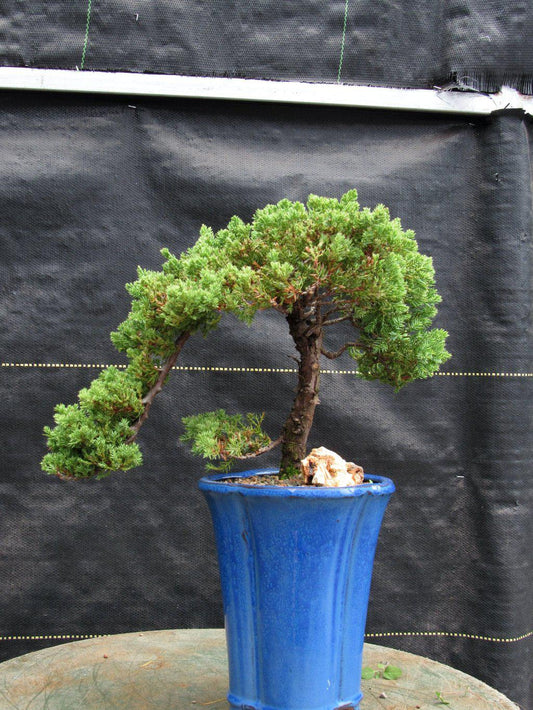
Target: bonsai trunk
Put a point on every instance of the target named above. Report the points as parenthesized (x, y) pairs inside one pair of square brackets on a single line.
[(307, 336)]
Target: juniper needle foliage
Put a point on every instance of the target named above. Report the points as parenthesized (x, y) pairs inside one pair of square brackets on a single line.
[(317, 265)]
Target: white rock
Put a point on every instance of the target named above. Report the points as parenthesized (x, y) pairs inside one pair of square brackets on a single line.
[(326, 468)]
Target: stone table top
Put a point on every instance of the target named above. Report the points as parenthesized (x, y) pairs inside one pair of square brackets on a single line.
[(187, 669)]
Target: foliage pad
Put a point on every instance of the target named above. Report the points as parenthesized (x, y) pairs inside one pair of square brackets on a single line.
[(317, 265)]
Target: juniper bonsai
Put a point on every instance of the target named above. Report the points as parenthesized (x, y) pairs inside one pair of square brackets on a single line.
[(317, 265)]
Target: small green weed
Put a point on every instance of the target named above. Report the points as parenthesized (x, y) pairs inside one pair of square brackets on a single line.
[(441, 699), (383, 670)]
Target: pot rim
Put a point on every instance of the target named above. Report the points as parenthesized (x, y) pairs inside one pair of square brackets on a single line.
[(218, 483)]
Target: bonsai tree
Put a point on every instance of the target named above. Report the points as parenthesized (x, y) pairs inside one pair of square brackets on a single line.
[(318, 265)]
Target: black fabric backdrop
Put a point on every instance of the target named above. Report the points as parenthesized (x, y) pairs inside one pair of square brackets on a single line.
[(479, 43), (92, 187)]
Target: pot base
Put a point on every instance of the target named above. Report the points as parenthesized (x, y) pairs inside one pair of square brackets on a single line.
[(295, 568), (235, 704)]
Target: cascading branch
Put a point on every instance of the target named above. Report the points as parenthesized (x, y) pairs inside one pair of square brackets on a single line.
[(318, 265)]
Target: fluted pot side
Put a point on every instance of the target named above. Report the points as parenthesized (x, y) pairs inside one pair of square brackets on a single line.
[(295, 567)]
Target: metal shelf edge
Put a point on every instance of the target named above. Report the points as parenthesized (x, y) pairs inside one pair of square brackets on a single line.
[(293, 92)]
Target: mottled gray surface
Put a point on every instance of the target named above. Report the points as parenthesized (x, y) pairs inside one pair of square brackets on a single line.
[(175, 670)]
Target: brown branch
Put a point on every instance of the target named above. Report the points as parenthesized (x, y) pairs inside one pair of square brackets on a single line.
[(329, 312), (163, 374), (332, 355), (336, 320), (308, 341), (263, 450)]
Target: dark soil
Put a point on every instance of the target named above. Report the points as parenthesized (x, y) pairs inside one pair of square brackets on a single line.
[(274, 480), (270, 480)]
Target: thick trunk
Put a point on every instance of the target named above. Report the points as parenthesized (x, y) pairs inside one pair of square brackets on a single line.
[(308, 340)]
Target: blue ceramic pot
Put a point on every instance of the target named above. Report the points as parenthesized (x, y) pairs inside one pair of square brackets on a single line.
[(295, 566)]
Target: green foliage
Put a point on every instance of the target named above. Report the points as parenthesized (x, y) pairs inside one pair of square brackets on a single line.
[(363, 265), (164, 304), (328, 259), (90, 437), (219, 436)]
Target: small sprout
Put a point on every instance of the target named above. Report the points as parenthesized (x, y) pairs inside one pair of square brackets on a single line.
[(441, 699), (383, 670)]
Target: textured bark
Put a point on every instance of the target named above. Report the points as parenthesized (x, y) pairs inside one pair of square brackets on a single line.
[(307, 335)]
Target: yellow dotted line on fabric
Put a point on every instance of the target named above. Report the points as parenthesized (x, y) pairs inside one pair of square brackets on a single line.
[(54, 637), (214, 368), (384, 634), (484, 374), (449, 634), (86, 366), (185, 368)]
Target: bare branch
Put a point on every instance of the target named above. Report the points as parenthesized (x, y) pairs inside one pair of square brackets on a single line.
[(336, 320), (329, 312), (263, 450), (332, 355), (163, 374)]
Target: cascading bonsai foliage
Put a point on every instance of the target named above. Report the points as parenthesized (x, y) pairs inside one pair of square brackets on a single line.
[(317, 265)]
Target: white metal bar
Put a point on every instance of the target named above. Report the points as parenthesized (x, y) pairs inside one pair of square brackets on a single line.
[(126, 84)]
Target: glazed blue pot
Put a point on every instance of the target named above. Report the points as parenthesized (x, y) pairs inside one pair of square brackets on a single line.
[(295, 566)]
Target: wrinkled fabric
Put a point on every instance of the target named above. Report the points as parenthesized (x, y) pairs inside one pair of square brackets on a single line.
[(475, 44), (90, 188)]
